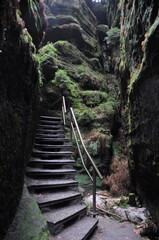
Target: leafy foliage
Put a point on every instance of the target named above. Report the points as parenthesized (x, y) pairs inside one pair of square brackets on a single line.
[(94, 98), (85, 117), (47, 53), (108, 108), (113, 36), (116, 148), (65, 86)]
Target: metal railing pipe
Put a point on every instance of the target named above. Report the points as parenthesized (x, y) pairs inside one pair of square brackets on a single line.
[(80, 153), (82, 142), (64, 110), (63, 116), (64, 103)]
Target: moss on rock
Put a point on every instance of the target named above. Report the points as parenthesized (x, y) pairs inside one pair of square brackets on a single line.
[(29, 223), (94, 98), (75, 23), (67, 71), (34, 17)]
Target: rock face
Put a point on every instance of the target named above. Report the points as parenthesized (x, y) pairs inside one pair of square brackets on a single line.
[(33, 13), (19, 91), (72, 21), (72, 66), (139, 89)]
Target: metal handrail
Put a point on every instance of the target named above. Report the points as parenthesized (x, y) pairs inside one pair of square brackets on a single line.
[(84, 147), (80, 153), (95, 169), (64, 110)]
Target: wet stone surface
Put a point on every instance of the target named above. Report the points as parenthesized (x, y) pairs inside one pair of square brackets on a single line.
[(113, 230)]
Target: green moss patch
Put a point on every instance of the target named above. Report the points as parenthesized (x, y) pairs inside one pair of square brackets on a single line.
[(28, 223), (94, 98)]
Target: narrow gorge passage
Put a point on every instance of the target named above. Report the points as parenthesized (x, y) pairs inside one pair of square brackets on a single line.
[(103, 57)]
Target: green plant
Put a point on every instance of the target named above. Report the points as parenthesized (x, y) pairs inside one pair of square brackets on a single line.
[(116, 148), (108, 108), (65, 86), (85, 117), (93, 148), (113, 36), (47, 53), (123, 202), (94, 98)]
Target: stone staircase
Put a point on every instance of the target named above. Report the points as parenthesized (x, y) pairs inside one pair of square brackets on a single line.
[(51, 182)]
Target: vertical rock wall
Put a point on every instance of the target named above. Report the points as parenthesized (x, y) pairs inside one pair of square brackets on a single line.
[(19, 101), (139, 70)]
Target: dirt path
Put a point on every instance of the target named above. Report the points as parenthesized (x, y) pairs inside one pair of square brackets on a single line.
[(113, 230)]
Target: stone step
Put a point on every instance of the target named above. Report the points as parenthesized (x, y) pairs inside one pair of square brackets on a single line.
[(80, 230), (56, 218), (50, 118), (49, 172), (51, 122), (50, 183), (48, 146), (50, 131), (40, 126), (45, 154), (49, 136), (50, 162), (53, 140), (50, 199), (44, 136)]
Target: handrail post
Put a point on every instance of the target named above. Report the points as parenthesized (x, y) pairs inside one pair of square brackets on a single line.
[(71, 130), (64, 110), (94, 192), (63, 116)]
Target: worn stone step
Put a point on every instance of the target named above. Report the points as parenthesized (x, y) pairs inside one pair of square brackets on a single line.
[(43, 117), (48, 146), (80, 230), (49, 172), (40, 126), (53, 148), (45, 154), (49, 136), (51, 122), (53, 140), (51, 162), (50, 183), (50, 199), (56, 218), (50, 131)]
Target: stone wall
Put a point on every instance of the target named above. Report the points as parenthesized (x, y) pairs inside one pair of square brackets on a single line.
[(19, 101), (139, 72)]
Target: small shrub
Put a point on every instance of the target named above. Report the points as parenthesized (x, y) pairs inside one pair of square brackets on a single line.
[(113, 37), (94, 98), (119, 178), (123, 202), (86, 117), (46, 53), (116, 148), (108, 108), (65, 86)]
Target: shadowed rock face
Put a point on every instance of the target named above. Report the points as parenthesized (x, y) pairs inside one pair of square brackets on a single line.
[(139, 70), (72, 21), (35, 22), (19, 100)]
